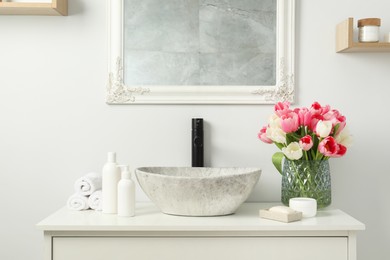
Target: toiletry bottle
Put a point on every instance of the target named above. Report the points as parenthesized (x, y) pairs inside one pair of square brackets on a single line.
[(126, 194), (110, 179)]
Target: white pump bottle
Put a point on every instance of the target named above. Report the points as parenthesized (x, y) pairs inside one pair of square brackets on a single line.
[(110, 179), (126, 194)]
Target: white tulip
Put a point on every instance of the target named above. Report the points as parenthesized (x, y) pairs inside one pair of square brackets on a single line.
[(344, 138), (274, 121), (293, 151), (276, 134), (323, 128)]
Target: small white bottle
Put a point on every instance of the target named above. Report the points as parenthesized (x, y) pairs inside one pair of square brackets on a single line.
[(126, 194), (110, 178)]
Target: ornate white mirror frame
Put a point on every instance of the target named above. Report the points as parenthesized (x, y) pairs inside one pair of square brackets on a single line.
[(283, 90)]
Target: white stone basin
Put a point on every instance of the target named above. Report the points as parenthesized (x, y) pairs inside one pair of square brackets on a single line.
[(200, 191)]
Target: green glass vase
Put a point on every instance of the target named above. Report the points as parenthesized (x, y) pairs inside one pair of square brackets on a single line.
[(311, 179)]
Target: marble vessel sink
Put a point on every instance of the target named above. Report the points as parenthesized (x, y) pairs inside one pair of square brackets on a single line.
[(201, 191)]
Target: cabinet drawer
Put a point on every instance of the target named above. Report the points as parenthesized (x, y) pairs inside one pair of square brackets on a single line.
[(199, 248)]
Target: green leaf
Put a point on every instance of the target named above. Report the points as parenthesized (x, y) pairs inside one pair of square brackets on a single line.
[(279, 145), (335, 129), (277, 159)]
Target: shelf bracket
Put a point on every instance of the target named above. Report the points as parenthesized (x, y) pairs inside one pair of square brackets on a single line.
[(344, 37)]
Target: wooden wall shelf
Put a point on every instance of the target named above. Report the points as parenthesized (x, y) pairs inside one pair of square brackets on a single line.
[(345, 42), (56, 7)]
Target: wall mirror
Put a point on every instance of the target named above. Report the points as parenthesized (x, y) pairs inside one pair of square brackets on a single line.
[(200, 51)]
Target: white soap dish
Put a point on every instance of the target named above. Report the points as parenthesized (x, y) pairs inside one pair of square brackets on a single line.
[(281, 213)]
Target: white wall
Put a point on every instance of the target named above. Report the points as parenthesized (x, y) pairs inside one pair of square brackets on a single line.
[(55, 125)]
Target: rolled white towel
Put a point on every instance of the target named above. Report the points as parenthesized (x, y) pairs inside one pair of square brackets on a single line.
[(95, 200), (77, 202), (88, 184)]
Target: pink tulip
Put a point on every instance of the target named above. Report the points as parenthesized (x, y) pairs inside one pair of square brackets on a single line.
[(317, 109), (263, 137), (314, 120), (304, 116), (328, 147), (336, 118), (341, 150), (282, 105), (306, 143), (289, 122), (341, 127), (282, 108)]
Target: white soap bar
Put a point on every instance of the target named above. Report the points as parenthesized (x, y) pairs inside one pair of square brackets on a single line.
[(282, 209), (281, 213)]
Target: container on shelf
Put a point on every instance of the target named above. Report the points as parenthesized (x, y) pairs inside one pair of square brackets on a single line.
[(369, 29)]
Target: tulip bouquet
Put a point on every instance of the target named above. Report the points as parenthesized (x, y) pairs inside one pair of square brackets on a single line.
[(315, 133)]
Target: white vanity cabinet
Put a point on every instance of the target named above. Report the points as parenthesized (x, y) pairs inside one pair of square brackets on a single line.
[(91, 235)]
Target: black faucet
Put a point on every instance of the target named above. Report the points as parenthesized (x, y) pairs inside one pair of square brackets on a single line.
[(197, 142)]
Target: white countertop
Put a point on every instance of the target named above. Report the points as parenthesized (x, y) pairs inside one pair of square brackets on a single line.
[(149, 218)]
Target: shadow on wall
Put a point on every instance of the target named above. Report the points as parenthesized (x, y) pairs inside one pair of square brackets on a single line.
[(207, 143), (75, 7)]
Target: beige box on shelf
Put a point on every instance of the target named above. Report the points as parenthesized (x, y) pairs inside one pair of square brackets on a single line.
[(280, 216)]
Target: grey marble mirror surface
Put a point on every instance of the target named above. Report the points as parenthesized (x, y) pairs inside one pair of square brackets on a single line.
[(201, 51), (199, 42)]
